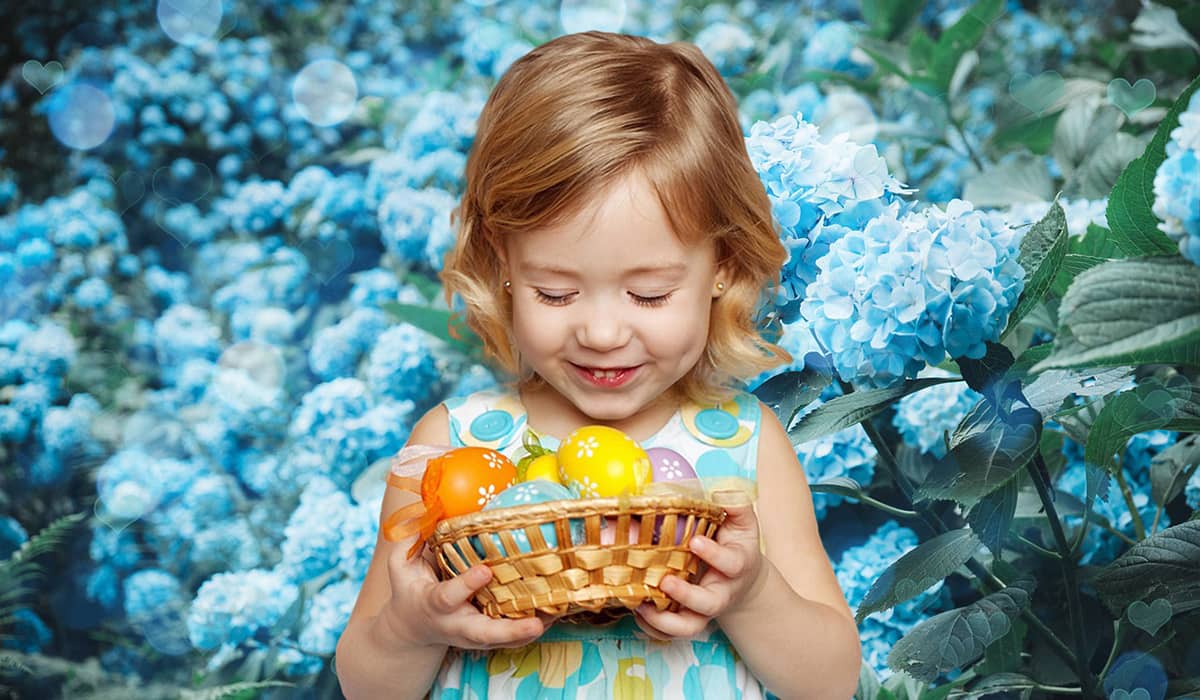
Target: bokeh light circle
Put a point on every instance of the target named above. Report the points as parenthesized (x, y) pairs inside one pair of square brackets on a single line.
[(325, 92), (189, 21), (81, 116), (582, 15)]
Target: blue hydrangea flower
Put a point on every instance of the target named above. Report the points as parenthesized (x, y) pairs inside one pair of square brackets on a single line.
[(359, 532), (329, 403), (728, 45), (184, 332), (860, 567), (1177, 183), (819, 190), (475, 378), (28, 634), (404, 365), (832, 47), (923, 418), (337, 349), (230, 545), (47, 350), (848, 453), (326, 616), (313, 532), (1192, 491), (232, 607), (150, 590), (12, 536), (905, 292), (444, 120), (413, 220)]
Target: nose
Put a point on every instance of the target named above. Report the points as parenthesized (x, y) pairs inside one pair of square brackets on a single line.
[(601, 327)]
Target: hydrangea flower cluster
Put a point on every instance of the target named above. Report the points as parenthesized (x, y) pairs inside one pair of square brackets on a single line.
[(924, 417), (847, 453), (819, 190), (1177, 183), (906, 291), (860, 567)]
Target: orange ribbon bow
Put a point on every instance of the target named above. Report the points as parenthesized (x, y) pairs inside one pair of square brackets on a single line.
[(418, 518)]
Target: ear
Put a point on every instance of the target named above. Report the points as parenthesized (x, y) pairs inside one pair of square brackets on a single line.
[(721, 281)]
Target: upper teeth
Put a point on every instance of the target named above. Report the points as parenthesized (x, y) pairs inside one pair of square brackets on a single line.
[(605, 373)]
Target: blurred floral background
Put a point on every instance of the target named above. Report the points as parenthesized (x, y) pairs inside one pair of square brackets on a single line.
[(221, 225)]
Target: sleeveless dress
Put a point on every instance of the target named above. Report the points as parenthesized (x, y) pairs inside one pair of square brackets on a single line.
[(617, 660)]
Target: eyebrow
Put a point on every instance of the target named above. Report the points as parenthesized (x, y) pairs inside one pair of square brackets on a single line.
[(639, 270)]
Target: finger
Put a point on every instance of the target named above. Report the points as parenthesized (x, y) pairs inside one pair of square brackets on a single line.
[(683, 624), (729, 558), (453, 593), (483, 632), (708, 602), (740, 517), (650, 630)]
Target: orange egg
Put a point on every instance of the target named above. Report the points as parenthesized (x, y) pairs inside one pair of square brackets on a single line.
[(464, 479)]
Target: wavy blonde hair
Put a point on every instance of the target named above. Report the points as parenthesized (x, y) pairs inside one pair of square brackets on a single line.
[(572, 116)]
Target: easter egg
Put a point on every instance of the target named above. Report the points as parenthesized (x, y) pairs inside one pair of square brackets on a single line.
[(544, 467), (597, 461), (528, 493), (608, 531), (668, 465), (465, 479)]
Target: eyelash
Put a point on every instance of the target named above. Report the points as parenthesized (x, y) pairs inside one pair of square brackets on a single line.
[(639, 300)]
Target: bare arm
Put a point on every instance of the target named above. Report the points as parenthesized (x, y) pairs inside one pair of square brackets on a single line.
[(798, 606), (405, 620)]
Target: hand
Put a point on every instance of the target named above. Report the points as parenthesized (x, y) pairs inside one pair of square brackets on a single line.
[(426, 612), (736, 570)]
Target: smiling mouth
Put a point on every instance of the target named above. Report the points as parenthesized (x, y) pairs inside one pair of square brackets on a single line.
[(607, 377)]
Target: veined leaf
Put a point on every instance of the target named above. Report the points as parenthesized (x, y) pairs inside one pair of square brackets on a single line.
[(1171, 469), (986, 450), (1164, 565), (789, 392), (993, 515), (844, 411), (1151, 405), (956, 638), (1042, 251), (910, 575), (1135, 311), (1129, 210)]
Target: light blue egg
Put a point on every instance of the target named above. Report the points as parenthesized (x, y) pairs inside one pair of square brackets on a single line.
[(528, 493)]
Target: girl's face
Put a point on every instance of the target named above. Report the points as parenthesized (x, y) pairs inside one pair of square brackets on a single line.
[(611, 308)]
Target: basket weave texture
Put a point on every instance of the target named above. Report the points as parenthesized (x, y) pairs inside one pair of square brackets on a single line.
[(580, 581)]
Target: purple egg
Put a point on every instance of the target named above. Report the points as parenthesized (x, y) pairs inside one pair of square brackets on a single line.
[(668, 465)]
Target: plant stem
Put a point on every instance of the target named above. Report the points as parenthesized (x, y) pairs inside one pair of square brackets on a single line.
[(1036, 468), (1118, 634), (898, 512), (935, 524), (1139, 527), (1038, 548)]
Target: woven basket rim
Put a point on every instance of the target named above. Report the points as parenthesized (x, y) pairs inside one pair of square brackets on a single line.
[(487, 520)]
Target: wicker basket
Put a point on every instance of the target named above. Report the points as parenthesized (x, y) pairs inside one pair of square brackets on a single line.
[(580, 581)]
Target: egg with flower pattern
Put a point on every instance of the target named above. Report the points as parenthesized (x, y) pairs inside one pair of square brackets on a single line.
[(597, 461), (668, 465), (465, 479), (524, 494)]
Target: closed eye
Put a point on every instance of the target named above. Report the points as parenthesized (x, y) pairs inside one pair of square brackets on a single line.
[(551, 299), (651, 301)]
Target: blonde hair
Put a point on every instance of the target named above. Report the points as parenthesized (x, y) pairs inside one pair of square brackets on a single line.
[(572, 116)]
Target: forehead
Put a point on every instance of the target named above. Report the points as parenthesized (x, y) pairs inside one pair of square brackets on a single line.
[(622, 229)]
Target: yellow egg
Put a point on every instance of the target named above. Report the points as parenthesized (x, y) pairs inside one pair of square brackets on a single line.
[(597, 461), (544, 467)]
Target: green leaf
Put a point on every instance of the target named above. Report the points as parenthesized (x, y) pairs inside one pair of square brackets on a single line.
[(920, 51), (1005, 653), (1042, 251), (888, 19), (986, 450), (1136, 311), (1049, 389), (1164, 565), (1151, 405), (1129, 210), (842, 486), (789, 392), (1171, 469), (1072, 265), (1036, 133), (960, 37), (868, 683), (439, 323), (232, 690), (912, 574), (956, 638), (998, 683), (884, 62), (993, 515), (428, 288), (844, 411)]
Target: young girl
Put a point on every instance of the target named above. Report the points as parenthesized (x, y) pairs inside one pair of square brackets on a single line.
[(613, 244)]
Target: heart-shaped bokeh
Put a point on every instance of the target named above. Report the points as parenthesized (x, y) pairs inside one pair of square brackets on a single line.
[(1131, 99), (43, 77)]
